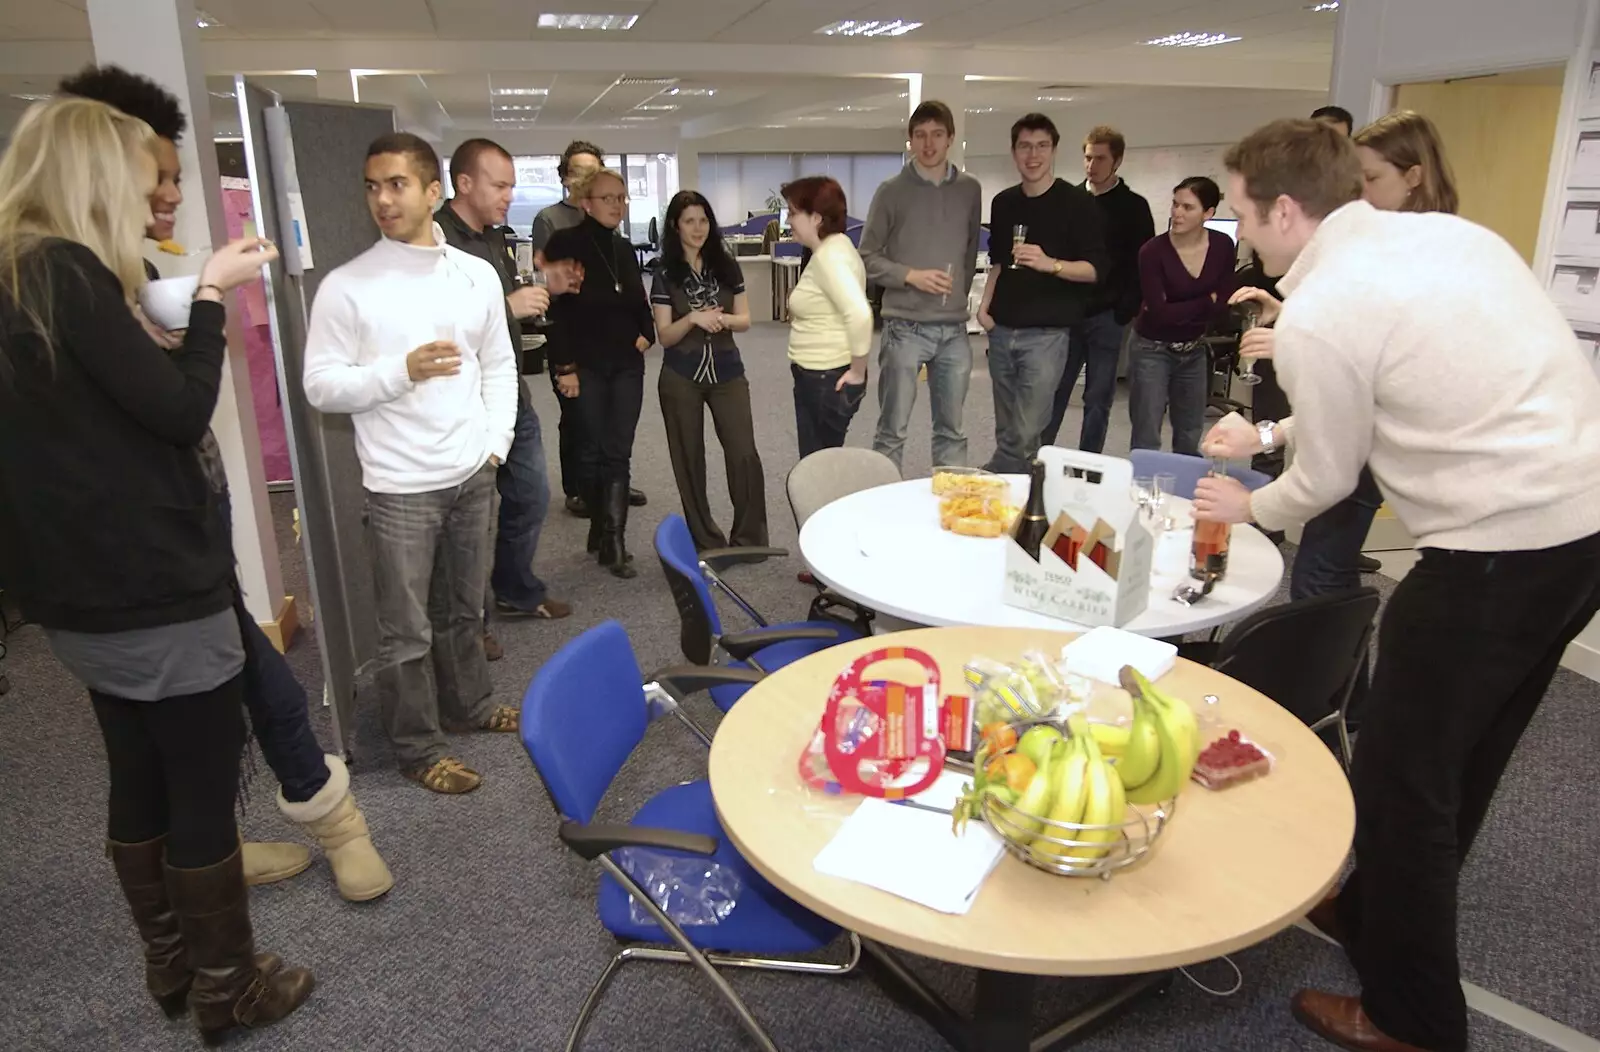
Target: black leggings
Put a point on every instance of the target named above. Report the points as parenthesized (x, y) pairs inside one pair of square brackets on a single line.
[(175, 771)]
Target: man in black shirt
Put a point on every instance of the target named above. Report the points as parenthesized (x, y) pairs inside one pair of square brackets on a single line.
[(1096, 341), (1046, 252), (473, 220)]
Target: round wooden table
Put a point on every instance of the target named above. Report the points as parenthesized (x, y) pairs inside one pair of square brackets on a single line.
[(883, 548), (1233, 867)]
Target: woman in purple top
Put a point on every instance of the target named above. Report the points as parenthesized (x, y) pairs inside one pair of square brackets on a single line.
[(1186, 276)]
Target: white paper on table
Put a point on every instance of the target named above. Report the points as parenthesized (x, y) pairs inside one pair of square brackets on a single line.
[(912, 854), (1101, 653)]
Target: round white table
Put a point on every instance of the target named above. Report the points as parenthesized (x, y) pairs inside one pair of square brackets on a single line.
[(883, 548)]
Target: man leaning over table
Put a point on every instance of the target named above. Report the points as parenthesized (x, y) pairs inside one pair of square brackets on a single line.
[(1391, 346)]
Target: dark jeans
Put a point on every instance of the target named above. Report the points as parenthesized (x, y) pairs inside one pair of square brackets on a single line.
[(1268, 402), (524, 500), (573, 441), (1094, 345), (1327, 559), (1468, 645), (174, 767), (1025, 367), (683, 410), (822, 415), (428, 557), (610, 403), (1168, 382)]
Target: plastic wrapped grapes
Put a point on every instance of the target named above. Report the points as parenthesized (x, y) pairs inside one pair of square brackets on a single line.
[(1031, 687)]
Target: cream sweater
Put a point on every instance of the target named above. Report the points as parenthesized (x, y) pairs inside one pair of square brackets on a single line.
[(372, 312), (830, 320), (1421, 344)]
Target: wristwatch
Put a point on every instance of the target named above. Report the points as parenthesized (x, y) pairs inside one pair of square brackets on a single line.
[(1056, 270), (1268, 430)]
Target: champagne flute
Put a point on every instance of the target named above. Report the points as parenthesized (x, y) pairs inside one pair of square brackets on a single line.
[(1249, 317), (1019, 237), (1162, 487), (527, 275), (950, 274), (1142, 490)]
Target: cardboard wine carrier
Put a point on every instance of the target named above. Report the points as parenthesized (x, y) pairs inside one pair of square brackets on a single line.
[(1094, 564)]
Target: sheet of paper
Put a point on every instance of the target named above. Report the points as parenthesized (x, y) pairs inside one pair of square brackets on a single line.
[(913, 854)]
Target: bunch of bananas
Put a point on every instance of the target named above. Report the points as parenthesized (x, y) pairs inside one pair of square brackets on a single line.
[(1163, 742)]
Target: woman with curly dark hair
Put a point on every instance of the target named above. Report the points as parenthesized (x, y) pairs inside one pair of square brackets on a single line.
[(699, 303)]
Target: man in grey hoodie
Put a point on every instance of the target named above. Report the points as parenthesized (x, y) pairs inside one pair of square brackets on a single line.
[(921, 245)]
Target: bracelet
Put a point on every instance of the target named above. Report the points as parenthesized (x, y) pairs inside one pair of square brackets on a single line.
[(217, 288)]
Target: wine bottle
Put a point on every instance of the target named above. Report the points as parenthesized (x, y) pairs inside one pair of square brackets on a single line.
[(1032, 524)]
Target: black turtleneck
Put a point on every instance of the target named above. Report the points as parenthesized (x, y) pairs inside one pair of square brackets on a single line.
[(596, 327)]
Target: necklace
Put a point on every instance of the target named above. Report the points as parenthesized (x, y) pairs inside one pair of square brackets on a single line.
[(611, 264)]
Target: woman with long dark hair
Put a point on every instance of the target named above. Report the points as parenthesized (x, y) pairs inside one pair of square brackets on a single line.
[(601, 334), (699, 303), (113, 540), (1185, 277)]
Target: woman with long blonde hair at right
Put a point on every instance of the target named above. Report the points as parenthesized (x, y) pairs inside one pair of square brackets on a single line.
[(1403, 166), (113, 542)]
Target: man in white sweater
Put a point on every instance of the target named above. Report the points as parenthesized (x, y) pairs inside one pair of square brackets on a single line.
[(1422, 345), (410, 339)]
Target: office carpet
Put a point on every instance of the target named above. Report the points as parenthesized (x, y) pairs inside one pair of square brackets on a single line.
[(489, 939)]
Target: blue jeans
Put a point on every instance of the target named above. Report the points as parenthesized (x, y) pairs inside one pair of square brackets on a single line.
[(1331, 543), (277, 706), (1025, 367), (524, 499), (1168, 382), (906, 347), (1095, 346)]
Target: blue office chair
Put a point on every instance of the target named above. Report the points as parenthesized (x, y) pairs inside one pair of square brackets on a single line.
[(691, 575), (1188, 470), (583, 715)]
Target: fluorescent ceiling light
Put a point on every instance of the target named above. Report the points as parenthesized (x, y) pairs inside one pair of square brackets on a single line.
[(206, 21), (871, 27), (222, 94), (522, 91), (632, 118), (594, 22), (625, 79), (1187, 39), (812, 117), (980, 109), (701, 93), (507, 106), (1331, 5), (1055, 98), (29, 97), (855, 109), (659, 107)]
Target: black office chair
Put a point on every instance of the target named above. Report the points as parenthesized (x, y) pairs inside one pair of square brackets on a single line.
[(1304, 655)]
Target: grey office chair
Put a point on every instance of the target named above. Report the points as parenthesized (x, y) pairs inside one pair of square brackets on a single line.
[(824, 477)]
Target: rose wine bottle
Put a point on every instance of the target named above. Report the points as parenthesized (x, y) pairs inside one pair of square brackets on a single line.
[(1209, 556)]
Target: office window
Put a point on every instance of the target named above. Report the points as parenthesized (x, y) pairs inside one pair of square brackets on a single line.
[(738, 184)]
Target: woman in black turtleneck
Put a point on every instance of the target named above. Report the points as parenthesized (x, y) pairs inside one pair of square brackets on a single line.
[(601, 335)]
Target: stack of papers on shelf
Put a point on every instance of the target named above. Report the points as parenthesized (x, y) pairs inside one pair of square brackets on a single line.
[(1101, 653), (913, 854)]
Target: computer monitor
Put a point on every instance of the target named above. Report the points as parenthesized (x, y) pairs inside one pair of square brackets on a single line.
[(1227, 226), (783, 220)]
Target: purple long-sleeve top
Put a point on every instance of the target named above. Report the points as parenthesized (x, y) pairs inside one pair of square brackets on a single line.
[(1178, 306)]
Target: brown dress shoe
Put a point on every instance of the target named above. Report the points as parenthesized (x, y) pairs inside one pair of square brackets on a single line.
[(1340, 1019), (1324, 917)]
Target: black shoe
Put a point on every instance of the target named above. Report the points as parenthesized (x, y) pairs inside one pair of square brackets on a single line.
[(637, 499), (596, 508), (1367, 564), (578, 507), (613, 537)]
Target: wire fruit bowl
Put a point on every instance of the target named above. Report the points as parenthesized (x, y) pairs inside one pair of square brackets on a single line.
[(1052, 848)]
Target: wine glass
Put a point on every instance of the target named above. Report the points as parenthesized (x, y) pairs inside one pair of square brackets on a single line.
[(1249, 313), (1162, 487), (1019, 237), (950, 274), (1142, 490)]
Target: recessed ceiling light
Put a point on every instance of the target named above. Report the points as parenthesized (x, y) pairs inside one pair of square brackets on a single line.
[(510, 106), (1331, 5), (206, 21), (633, 118), (870, 27), (980, 109), (1055, 98), (695, 92), (812, 117), (855, 109), (625, 79), (522, 91), (594, 22), (1187, 39), (659, 107), (29, 97)]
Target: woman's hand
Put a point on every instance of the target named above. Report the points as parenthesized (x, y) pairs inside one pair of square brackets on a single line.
[(642, 344), (709, 320), (985, 321), (853, 377), (1259, 342), (238, 262), (1270, 304), (567, 385)]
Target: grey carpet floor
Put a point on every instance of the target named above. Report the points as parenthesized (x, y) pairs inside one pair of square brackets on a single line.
[(489, 940)]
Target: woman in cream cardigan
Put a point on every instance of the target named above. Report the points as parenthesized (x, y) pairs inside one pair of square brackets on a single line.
[(830, 321)]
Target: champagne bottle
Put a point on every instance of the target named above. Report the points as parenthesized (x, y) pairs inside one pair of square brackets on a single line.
[(1033, 524)]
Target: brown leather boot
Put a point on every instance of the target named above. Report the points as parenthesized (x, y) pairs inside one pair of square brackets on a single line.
[(230, 986), (166, 968)]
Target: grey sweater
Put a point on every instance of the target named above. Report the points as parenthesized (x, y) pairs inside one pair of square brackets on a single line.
[(917, 224)]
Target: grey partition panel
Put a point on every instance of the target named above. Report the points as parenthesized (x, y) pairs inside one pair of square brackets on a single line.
[(316, 150)]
